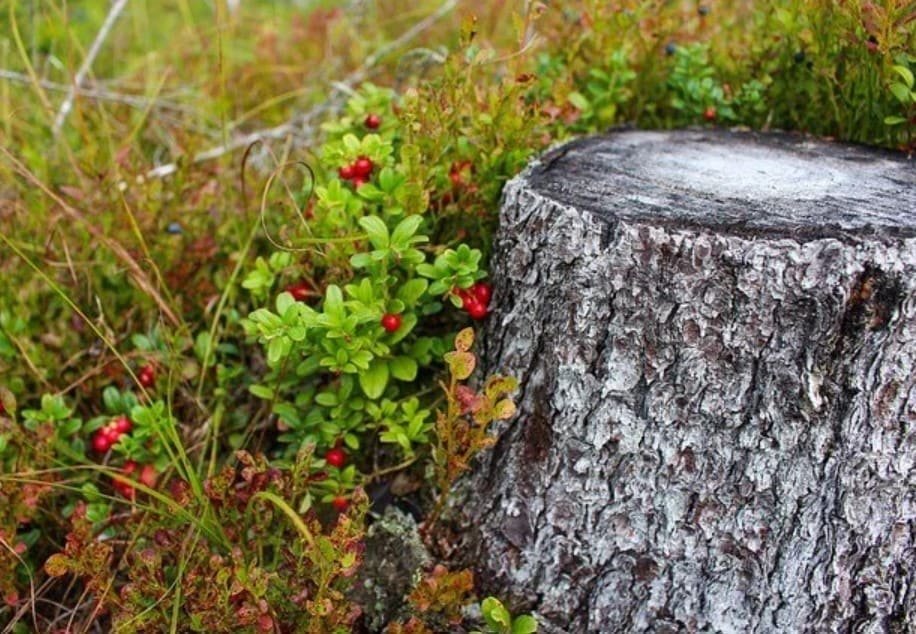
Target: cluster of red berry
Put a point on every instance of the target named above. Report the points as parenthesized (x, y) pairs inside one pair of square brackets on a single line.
[(358, 171), (475, 301), (337, 457), (146, 476), (107, 436)]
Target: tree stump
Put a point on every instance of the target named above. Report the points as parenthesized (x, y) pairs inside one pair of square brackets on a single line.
[(715, 335)]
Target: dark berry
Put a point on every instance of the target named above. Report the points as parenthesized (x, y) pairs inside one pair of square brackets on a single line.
[(703, 10), (336, 457), (373, 121), (799, 57), (363, 166), (670, 48), (173, 228), (340, 504), (391, 322)]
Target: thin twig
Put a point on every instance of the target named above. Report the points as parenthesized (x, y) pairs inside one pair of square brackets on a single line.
[(134, 101), (67, 104), (339, 89)]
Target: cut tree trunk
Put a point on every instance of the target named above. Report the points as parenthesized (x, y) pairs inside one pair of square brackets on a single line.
[(715, 335)]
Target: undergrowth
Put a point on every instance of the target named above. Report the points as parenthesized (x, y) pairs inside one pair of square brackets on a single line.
[(204, 369)]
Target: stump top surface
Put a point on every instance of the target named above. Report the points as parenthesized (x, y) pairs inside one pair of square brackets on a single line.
[(734, 182)]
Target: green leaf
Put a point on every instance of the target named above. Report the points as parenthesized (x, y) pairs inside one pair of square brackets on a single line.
[(333, 302), (495, 614), (70, 427), (328, 399), (901, 92), (374, 380), (351, 142), (403, 368), (894, 120), (261, 391), (284, 301), (277, 350), (411, 291), (405, 230), (578, 100), (112, 399), (360, 260), (906, 74), (376, 230), (525, 624)]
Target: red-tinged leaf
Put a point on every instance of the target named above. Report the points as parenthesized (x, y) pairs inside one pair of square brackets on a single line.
[(504, 410), (58, 565), (464, 340), (461, 364)]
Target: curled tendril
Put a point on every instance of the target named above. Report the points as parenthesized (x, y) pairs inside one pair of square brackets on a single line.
[(262, 212)]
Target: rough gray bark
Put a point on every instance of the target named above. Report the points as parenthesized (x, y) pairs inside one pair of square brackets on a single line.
[(715, 335)]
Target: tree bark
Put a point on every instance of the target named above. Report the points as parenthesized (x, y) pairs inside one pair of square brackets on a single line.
[(715, 336)]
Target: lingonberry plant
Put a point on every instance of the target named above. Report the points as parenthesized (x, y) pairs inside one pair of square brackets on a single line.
[(339, 367)]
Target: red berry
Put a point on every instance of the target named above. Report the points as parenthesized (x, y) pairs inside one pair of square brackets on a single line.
[(147, 376), (124, 489), (101, 442), (363, 166), (300, 291), (359, 181), (336, 457), (129, 467), (476, 310), (391, 322), (2, 408), (373, 121), (710, 113), (346, 172), (340, 504), (121, 425), (482, 291), (148, 476)]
